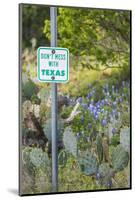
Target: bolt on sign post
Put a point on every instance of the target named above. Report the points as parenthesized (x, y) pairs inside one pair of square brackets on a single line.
[(53, 66)]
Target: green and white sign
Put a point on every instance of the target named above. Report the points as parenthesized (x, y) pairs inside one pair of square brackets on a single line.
[(53, 64)]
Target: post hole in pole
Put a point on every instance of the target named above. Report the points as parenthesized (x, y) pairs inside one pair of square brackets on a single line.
[(53, 15)]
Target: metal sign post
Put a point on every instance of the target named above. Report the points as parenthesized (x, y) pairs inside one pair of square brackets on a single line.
[(53, 13)]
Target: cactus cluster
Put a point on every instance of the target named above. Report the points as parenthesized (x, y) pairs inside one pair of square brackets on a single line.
[(88, 163)]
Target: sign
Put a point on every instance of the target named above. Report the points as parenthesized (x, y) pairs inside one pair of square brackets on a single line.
[(53, 64)]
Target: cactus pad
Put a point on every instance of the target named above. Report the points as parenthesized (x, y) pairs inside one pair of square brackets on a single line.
[(120, 158), (70, 141), (88, 163)]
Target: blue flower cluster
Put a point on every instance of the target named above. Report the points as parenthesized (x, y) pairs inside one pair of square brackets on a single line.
[(107, 109)]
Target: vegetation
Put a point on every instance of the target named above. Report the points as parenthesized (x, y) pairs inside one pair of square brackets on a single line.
[(93, 107)]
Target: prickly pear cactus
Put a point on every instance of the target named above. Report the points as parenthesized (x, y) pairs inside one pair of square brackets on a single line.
[(44, 94), (39, 158), (99, 148), (29, 89), (36, 167), (125, 138), (70, 141), (48, 129), (120, 158), (104, 175), (62, 158), (88, 163), (35, 158)]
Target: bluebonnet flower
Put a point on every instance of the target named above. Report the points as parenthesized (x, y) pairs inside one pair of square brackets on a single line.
[(94, 110), (96, 116), (89, 95), (91, 107), (104, 122), (98, 106), (79, 100), (113, 131)]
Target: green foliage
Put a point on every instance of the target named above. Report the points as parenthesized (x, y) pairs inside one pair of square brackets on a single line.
[(115, 140), (126, 118), (88, 163), (72, 179), (120, 158), (29, 90), (33, 22), (104, 35), (102, 42), (70, 141)]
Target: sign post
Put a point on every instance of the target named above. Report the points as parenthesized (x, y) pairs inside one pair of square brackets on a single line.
[(53, 12), (53, 66)]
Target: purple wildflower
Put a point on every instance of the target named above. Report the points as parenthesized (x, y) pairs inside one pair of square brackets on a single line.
[(113, 131), (79, 100), (89, 95), (104, 122)]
